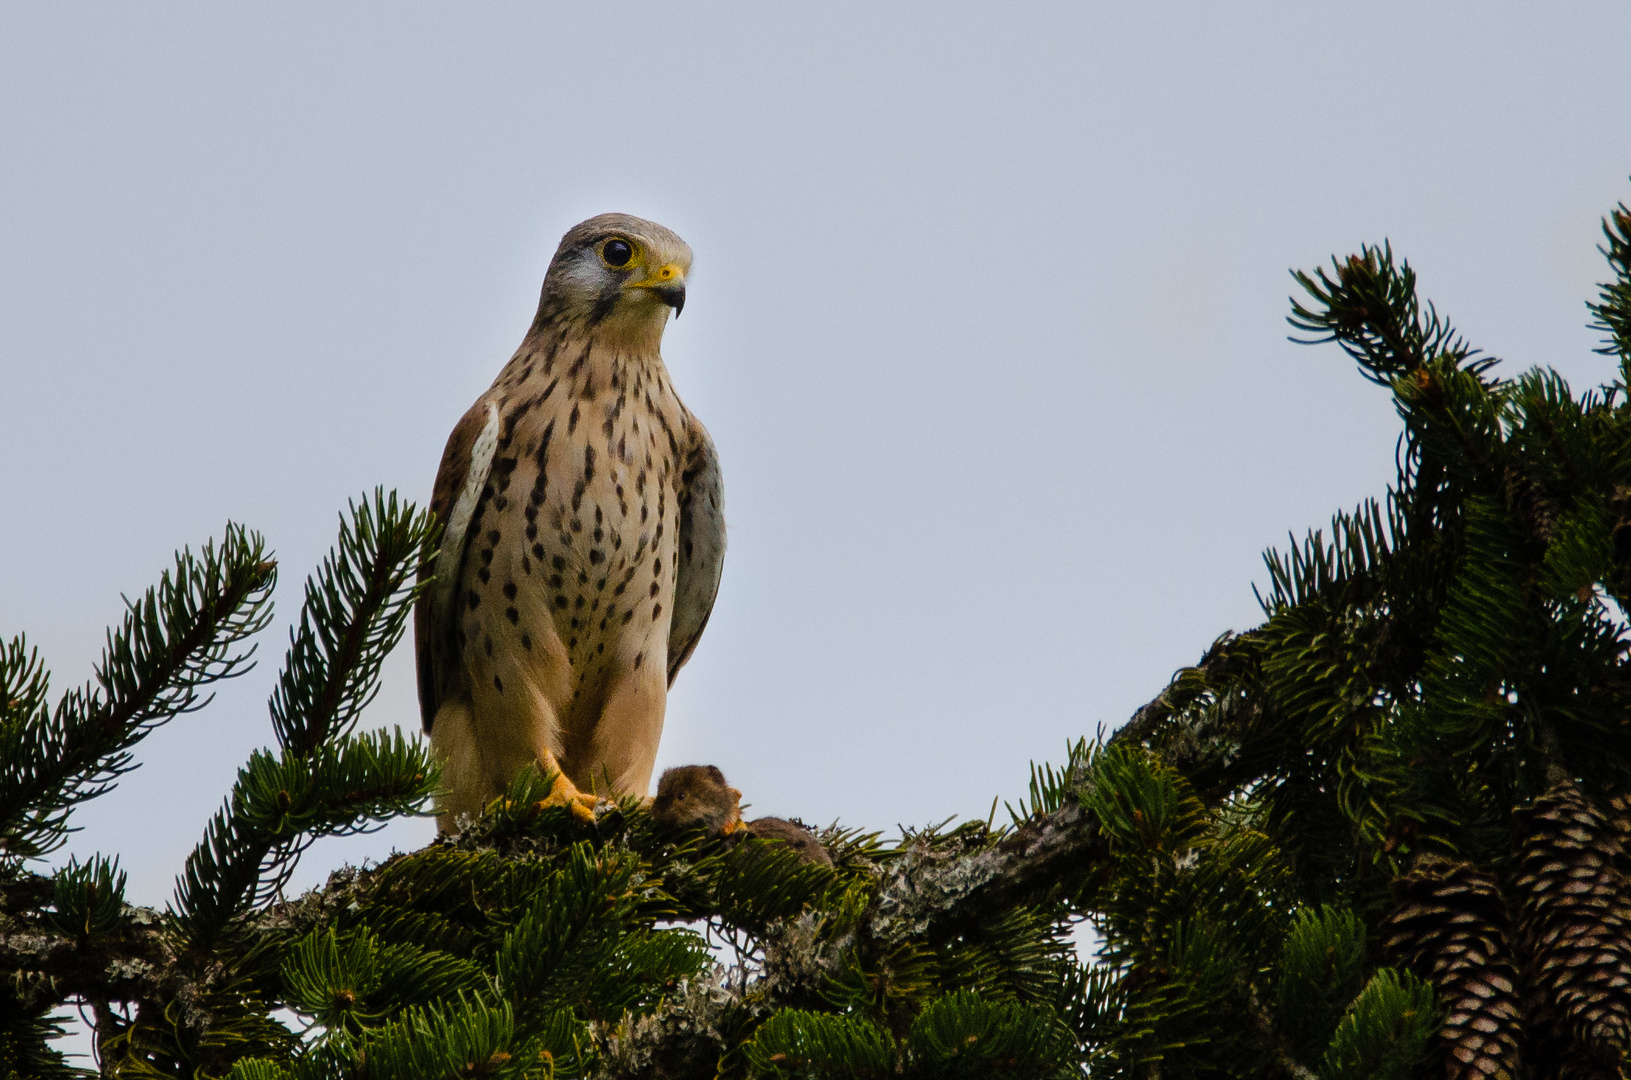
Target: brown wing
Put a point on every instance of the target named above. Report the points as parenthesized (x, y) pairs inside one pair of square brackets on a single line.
[(466, 462), (701, 551)]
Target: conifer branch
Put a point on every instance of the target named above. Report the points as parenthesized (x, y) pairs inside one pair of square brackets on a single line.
[(1368, 306), (1613, 306), (1420, 757), (325, 781), (356, 606), (279, 806), (178, 638), (935, 894)]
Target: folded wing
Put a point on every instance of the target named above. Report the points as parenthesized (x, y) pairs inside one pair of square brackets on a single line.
[(460, 482), (701, 552)]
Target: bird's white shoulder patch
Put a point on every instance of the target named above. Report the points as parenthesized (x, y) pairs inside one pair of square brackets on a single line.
[(450, 556)]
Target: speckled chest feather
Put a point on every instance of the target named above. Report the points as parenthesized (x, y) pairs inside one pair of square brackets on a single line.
[(571, 564)]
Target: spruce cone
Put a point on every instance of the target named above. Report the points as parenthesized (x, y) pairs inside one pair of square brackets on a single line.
[(1449, 927), (1575, 929), (1529, 501), (1617, 811)]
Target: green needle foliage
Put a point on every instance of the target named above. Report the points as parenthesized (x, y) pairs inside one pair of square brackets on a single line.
[(1384, 834), (324, 781), (185, 992), (179, 637)]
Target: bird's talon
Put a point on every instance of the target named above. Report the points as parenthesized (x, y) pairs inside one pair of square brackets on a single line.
[(563, 793)]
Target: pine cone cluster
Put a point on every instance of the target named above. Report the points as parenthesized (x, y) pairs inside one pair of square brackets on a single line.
[(1574, 928), (1449, 927)]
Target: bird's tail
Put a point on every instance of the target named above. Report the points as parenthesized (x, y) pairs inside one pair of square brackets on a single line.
[(464, 781)]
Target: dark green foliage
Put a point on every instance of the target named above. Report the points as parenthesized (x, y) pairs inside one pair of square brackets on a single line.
[(356, 607), (817, 1046), (204, 975), (1385, 1033), (458, 1037), (1428, 669), (87, 898), (1613, 306), (346, 982), (25, 1050), (1383, 834), (956, 1035), (1369, 306), (324, 781), (580, 942), (1322, 967), (178, 638)]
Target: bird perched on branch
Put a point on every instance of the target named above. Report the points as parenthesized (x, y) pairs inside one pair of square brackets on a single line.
[(583, 538)]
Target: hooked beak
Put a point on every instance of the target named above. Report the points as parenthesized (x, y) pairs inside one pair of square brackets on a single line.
[(667, 282), (672, 295)]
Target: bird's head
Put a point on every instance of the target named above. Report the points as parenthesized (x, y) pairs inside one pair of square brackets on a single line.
[(617, 275)]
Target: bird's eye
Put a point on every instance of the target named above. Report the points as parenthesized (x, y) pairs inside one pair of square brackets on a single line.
[(616, 252)]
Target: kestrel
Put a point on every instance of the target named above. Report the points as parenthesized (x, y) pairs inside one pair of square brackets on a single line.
[(583, 538)]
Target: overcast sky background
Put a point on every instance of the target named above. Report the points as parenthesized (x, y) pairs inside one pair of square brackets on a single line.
[(987, 322)]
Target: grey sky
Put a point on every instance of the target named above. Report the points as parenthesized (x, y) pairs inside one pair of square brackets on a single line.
[(986, 321)]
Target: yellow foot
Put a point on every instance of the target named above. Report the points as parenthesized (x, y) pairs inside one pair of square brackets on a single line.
[(563, 793)]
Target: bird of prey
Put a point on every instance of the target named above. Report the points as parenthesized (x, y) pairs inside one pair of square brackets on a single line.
[(583, 537)]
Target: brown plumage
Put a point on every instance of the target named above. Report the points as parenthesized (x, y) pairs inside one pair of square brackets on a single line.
[(583, 537)]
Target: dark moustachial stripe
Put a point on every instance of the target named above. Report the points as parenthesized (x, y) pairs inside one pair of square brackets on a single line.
[(604, 306)]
